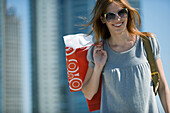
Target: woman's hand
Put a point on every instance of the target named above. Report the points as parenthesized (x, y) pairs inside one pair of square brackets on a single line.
[(99, 55), (91, 82)]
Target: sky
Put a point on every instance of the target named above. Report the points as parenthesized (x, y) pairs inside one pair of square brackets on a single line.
[(155, 17)]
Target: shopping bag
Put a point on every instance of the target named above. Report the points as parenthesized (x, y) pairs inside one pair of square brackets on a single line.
[(76, 48)]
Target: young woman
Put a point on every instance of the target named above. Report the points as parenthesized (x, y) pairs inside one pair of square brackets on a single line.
[(121, 61)]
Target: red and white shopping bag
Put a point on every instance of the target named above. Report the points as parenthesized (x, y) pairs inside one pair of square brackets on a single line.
[(76, 47)]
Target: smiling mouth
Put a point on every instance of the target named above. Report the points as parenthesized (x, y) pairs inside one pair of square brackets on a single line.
[(117, 24)]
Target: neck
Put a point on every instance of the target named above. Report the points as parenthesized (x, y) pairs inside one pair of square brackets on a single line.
[(120, 39)]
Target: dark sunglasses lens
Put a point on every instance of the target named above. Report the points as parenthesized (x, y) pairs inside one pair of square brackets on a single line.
[(122, 13), (110, 16)]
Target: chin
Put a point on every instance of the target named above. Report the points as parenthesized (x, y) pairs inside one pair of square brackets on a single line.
[(120, 31)]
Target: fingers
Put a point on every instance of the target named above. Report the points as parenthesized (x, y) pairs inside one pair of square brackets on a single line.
[(104, 52), (99, 50), (100, 44)]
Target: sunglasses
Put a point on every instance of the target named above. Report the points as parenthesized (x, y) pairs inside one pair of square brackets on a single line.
[(112, 16)]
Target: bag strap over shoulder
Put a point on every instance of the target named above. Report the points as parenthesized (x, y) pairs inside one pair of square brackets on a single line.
[(150, 57)]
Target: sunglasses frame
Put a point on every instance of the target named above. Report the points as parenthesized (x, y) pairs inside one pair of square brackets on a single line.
[(115, 14)]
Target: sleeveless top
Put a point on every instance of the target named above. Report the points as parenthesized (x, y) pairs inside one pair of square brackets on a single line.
[(126, 79)]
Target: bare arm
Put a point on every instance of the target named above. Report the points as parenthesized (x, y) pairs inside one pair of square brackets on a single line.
[(164, 93), (91, 82)]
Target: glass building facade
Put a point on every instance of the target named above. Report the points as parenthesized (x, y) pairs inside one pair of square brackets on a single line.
[(34, 56), (46, 49), (2, 20), (12, 100)]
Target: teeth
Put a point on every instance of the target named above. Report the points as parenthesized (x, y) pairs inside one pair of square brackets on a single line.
[(118, 24)]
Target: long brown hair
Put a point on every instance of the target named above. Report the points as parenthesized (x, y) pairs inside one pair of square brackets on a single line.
[(101, 29)]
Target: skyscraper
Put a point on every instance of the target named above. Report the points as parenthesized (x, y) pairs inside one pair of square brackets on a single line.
[(12, 67), (2, 34), (34, 57), (46, 35)]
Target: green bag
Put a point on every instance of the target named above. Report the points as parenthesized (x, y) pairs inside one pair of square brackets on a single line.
[(154, 71)]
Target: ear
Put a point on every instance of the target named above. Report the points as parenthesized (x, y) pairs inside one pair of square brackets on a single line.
[(102, 19)]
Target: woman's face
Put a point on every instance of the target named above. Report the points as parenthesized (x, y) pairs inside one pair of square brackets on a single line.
[(117, 25)]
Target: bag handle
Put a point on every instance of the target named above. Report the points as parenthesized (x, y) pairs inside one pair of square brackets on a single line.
[(150, 57)]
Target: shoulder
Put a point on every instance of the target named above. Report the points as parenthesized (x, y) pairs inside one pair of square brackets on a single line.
[(153, 40), (90, 50), (90, 56), (155, 46)]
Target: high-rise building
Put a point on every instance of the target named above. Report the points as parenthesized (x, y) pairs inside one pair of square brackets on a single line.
[(46, 37), (34, 57), (48, 34), (2, 35), (12, 101)]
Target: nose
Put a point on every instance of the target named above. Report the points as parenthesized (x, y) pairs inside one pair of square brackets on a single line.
[(117, 17)]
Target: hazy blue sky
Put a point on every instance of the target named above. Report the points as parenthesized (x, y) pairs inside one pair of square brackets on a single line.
[(156, 19), (155, 16)]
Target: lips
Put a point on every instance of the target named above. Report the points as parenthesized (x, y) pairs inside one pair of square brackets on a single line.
[(117, 24)]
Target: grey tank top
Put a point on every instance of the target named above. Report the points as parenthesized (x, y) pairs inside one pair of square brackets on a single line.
[(126, 79)]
